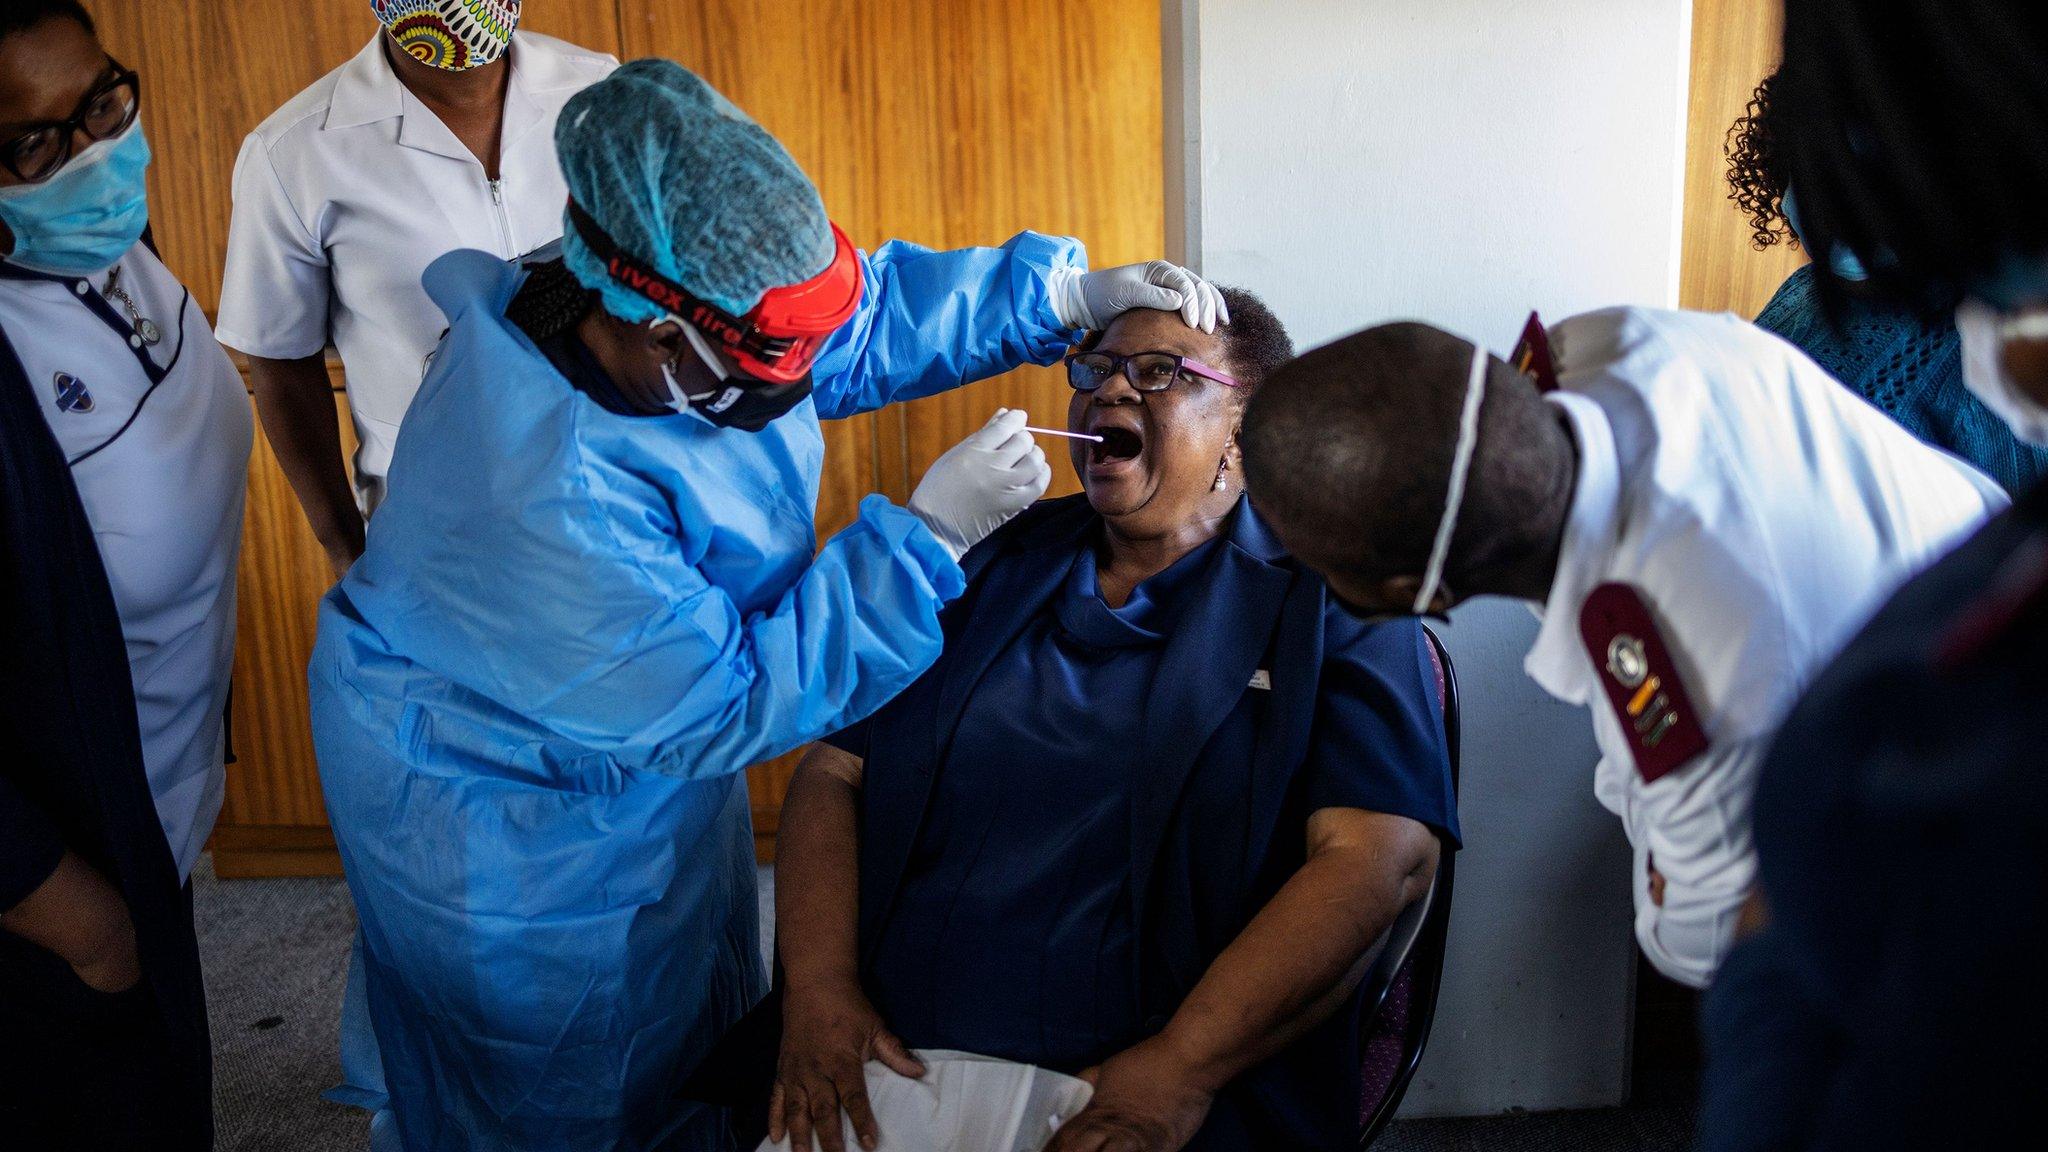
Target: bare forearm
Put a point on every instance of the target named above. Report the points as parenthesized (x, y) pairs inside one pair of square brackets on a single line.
[(295, 402), (75, 913), (1295, 963), (817, 887)]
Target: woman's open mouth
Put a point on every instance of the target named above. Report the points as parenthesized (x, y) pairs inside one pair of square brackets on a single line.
[(1120, 446)]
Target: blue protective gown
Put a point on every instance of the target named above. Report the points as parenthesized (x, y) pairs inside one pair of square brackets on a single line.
[(534, 696)]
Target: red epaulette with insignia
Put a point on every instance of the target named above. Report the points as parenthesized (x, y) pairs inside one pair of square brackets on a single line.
[(1641, 681), (1532, 355)]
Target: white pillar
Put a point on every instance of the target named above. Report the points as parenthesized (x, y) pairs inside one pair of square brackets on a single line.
[(1461, 162)]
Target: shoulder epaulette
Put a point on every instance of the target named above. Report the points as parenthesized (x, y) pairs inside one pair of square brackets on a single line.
[(1641, 681)]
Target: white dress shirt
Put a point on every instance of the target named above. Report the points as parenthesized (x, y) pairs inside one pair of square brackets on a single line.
[(346, 194), (158, 437), (1763, 512)]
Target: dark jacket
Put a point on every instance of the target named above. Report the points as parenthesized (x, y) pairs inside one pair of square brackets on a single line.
[(72, 772), (1894, 1000), (1220, 799)]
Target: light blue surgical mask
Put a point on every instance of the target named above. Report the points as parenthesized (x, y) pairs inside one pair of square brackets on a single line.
[(88, 215)]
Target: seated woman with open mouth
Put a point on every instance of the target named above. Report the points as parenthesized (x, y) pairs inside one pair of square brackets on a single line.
[(1146, 815)]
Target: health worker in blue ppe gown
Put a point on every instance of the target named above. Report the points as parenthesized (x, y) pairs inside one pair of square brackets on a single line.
[(593, 597)]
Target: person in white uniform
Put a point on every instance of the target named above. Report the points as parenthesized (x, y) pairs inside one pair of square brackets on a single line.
[(437, 136), (1699, 514), (124, 447)]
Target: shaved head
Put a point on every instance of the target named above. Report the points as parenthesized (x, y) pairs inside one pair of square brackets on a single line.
[(1348, 453)]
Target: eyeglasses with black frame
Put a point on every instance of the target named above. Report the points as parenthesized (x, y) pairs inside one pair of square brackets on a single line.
[(106, 112), (1147, 371)]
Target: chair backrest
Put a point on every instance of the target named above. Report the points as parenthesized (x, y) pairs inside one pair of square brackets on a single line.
[(1404, 977)]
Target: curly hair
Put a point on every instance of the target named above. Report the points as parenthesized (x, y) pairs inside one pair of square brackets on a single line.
[(1258, 342), (1756, 177)]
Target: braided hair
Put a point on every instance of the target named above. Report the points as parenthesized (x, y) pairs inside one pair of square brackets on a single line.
[(550, 301), (1917, 134)]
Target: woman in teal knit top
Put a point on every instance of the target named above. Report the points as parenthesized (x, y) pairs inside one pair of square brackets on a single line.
[(1907, 364)]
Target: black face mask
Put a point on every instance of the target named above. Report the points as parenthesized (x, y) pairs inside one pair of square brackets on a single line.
[(733, 405)]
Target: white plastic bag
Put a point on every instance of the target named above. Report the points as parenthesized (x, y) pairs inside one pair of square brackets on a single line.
[(965, 1103)]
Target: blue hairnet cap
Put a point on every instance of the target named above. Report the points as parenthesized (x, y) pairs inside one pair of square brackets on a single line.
[(679, 177)]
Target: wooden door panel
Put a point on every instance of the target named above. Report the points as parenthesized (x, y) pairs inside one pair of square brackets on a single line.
[(1736, 43), (212, 70), (273, 821), (592, 24), (283, 574), (948, 124)]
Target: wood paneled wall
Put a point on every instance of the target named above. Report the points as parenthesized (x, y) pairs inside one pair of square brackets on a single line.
[(1735, 44), (950, 122), (947, 122), (213, 69)]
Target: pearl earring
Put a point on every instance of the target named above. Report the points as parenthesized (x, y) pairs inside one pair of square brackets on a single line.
[(1223, 466)]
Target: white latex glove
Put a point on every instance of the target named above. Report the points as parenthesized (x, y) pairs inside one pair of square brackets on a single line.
[(1091, 300), (981, 482)]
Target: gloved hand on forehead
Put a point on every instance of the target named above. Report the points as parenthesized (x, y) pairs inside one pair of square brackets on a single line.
[(1090, 300), (981, 482)]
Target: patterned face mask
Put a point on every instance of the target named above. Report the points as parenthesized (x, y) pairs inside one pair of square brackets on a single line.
[(454, 35)]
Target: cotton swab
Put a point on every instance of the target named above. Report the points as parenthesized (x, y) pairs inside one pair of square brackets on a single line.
[(1068, 435)]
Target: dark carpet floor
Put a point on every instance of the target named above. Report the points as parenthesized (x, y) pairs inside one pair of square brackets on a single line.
[(275, 953)]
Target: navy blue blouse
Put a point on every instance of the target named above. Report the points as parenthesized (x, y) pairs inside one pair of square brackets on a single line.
[(1076, 810), (1013, 933)]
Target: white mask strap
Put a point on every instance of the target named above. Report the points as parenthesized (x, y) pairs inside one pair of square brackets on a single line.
[(1461, 465), (698, 343), (677, 399), (711, 359)]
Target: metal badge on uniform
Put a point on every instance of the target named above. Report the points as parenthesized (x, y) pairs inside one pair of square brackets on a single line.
[(1532, 355), (1263, 680), (72, 394), (1641, 681)]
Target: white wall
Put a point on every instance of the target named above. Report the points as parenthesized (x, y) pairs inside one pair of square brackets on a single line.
[(1463, 162)]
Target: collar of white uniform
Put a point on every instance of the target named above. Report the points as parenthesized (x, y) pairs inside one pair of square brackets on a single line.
[(368, 90), (1589, 535)]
